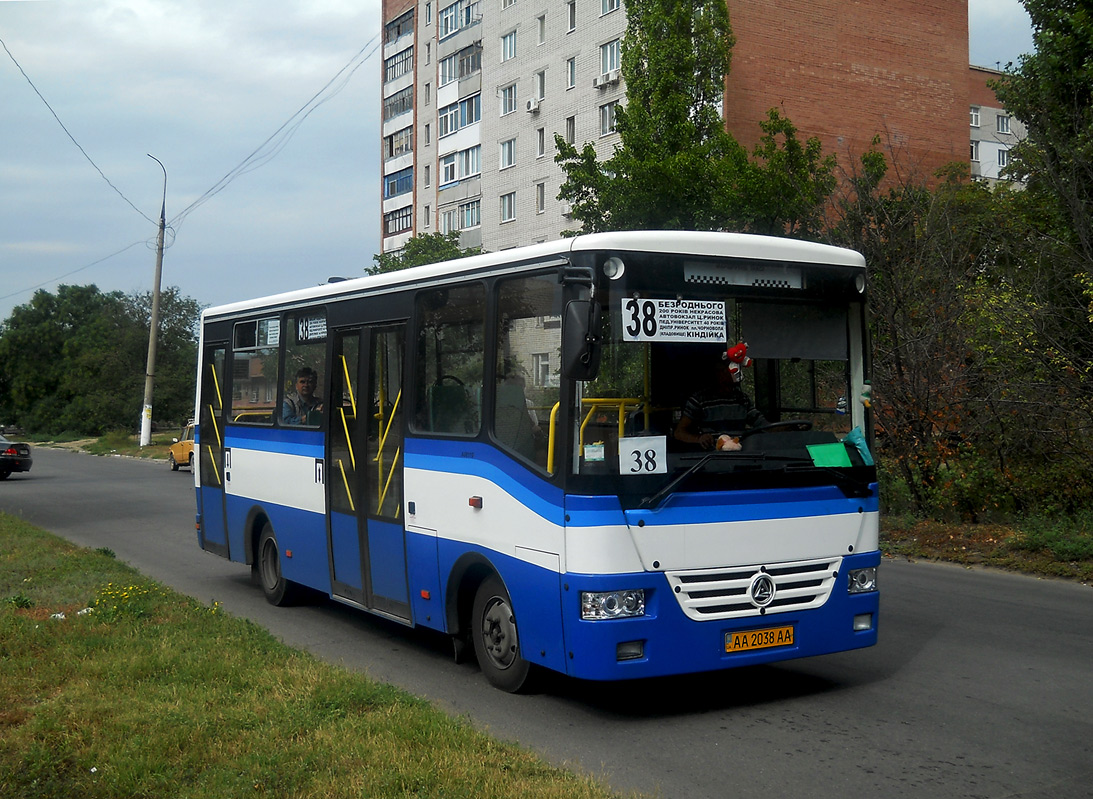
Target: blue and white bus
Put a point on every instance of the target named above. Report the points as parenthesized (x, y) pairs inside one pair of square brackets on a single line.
[(493, 452)]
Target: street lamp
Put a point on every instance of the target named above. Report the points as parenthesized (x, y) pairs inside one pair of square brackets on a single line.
[(153, 327)]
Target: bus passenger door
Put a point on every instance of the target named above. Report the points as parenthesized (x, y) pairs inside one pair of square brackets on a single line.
[(210, 459), (367, 533)]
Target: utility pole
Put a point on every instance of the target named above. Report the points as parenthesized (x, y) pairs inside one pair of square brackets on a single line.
[(153, 327)]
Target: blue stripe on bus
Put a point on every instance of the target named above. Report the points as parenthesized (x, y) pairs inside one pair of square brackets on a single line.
[(754, 505), (309, 443), (480, 460)]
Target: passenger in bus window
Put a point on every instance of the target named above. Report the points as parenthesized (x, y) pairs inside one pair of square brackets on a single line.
[(721, 408), (302, 406)]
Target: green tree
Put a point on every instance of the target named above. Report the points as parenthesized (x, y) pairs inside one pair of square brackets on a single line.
[(676, 166), (1051, 92), (425, 248), (75, 360)]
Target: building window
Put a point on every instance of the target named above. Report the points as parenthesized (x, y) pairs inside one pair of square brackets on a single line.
[(571, 10), (398, 28), (974, 114), (609, 56), (508, 153), (508, 46), (457, 15), (508, 99), (459, 115), (398, 103), (1003, 123), (540, 24), (540, 198), (571, 73), (398, 183), (470, 60), (607, 6), (463, 164), (399, 64), (425, 176), (540, 142), (975, 152), (540, 85), (507, 3), (465, 215), (449, 69), (399, 143), (570, 130), (1003, 158), (428, 13), (607, 118), (428, 217), (398, 221), (427, 138), (508, 207)]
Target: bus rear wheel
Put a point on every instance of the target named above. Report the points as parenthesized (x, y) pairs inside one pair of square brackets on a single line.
[(267, 564), (496, 643)]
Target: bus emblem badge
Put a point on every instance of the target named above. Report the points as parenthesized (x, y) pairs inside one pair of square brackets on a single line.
[(761, 590)]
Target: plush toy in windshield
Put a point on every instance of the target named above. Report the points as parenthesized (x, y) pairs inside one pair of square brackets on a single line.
[(737, 356)]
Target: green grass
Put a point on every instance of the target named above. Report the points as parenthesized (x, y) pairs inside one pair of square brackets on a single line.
[(114, 686)]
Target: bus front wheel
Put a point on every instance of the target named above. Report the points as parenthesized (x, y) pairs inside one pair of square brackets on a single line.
[(496, 644), (277, 589)]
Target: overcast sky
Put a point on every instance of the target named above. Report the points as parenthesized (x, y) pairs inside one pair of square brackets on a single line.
[(264, 114)]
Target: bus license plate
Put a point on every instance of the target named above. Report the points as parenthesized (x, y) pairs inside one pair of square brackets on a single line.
[(747, 640)]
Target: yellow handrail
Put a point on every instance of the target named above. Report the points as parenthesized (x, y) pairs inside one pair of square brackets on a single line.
[(216, 383), (622, 403), (349, 384), (387, 484), (216, 427), (348, 439), (550, 437), (345, 482), (212, 460)]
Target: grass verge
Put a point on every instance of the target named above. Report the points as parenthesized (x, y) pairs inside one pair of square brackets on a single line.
[(114, 686), (1035, 546)]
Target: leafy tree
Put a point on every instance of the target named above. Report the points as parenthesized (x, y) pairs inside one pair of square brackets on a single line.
[(979, 387), (426, 248), (76, 360), (1051, 91), (676, 166)]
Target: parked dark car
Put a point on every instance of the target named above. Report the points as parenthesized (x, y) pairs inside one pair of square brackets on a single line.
[(14, 457)]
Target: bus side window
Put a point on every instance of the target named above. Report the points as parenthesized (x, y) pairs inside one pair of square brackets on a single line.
[(450, 360), (305, 358), (529, 341)]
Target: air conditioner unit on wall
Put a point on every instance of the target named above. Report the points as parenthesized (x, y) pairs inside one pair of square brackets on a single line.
[(599, 81), (533, 106), (613, 76)]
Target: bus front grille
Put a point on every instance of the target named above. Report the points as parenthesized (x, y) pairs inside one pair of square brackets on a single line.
[(710, 594)]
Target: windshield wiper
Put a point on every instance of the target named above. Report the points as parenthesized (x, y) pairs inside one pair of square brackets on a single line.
[(654, 500)]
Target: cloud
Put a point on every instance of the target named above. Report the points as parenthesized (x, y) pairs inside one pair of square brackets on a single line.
[(200, 84)]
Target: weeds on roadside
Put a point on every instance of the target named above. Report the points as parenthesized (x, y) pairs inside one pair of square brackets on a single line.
[(155, 694)]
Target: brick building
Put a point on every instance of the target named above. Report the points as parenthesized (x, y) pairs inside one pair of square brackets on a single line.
[(474, 91)]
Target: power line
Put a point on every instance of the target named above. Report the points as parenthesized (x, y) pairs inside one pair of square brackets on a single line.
[(74, 271), (70, 136), (281, 137), (258, 158)]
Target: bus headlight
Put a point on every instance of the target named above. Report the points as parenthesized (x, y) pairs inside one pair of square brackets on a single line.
[(863, 581), (596, 605)]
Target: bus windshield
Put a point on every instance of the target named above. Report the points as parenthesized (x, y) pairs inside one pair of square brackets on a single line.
[(739, 373)]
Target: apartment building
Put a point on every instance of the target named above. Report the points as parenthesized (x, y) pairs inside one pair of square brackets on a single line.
[(994, 131), (474, 92)]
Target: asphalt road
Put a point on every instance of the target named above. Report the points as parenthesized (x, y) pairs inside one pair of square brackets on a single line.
[(981, 686)]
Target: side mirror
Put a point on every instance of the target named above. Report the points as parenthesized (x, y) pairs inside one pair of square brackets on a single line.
[(581, 340)]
